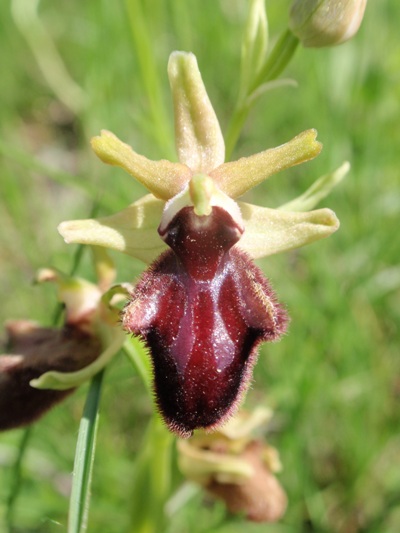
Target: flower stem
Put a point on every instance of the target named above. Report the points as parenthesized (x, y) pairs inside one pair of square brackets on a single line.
[(139, 359), (278, 59), (152, 481), (16, 479), (276, 62), (235, 126)]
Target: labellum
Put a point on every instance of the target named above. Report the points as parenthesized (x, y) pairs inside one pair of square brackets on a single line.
[(202, 308)]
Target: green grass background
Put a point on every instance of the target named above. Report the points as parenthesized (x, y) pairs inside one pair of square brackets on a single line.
[(334, 380)]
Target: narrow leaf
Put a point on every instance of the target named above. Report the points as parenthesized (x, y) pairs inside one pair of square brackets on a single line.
[(84, 457)]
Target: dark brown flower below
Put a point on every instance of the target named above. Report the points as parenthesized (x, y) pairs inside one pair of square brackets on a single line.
[(261, 497), (32, 351)]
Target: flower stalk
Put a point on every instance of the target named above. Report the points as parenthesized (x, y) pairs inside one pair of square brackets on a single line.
[(269, 69), (152, 479)]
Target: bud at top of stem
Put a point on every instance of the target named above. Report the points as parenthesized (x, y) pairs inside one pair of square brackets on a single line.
[(320, 23)]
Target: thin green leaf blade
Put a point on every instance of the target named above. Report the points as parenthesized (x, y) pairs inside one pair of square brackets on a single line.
[(84, 457)]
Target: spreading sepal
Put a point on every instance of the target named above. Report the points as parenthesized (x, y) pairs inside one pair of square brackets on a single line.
[(199, 140)]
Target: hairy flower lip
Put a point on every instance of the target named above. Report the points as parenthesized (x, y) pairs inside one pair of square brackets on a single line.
[(202, 309)]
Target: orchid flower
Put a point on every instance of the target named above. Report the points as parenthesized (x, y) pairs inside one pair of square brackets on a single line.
[(235, 464), (43, 365), (203, 307)]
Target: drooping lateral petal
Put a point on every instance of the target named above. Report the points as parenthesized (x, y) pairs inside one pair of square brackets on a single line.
[(132, 230), (270, 231), (199, 139), (162, 178), (237, 177)]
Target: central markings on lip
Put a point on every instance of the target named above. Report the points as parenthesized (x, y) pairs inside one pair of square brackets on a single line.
[(202, 308)]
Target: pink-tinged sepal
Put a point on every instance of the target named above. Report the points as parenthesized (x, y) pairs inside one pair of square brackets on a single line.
[(202, 308)]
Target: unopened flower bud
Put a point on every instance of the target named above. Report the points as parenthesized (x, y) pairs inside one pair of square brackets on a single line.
[(326, 23)]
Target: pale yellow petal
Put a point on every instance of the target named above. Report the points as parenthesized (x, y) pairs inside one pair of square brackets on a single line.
[(270, 231), (199, 139), (162, 178), (132, 230), (202, 466), (237, 177)]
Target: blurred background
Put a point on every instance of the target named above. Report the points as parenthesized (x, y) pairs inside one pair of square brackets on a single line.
[(70, 68)]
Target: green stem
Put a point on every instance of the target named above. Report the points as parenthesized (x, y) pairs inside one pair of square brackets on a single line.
[(84, 457), (16, 479), (152, 480), (235, 127), (140, 360), (278, 59)]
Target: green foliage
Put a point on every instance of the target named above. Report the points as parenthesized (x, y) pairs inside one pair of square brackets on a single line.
[(334, 379)]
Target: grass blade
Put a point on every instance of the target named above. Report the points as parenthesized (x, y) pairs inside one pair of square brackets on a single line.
[(84, 457), (17, 478)]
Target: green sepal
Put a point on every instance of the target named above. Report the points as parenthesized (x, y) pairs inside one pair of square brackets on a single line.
[(271, 231)]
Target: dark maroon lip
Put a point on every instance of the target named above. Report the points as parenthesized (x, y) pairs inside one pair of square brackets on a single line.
[(202, 309)]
